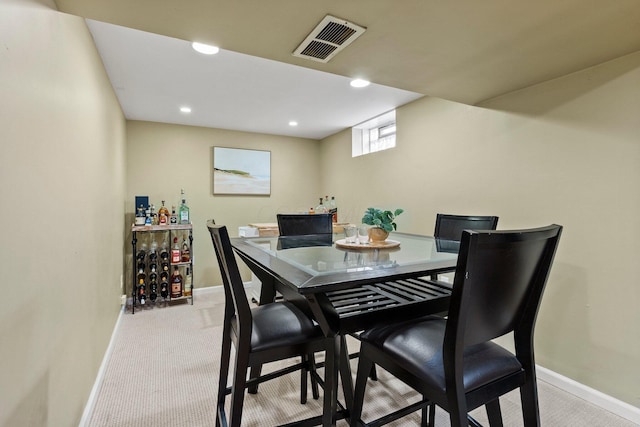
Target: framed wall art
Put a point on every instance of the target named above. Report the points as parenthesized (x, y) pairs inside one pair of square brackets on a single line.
[(239, 171)]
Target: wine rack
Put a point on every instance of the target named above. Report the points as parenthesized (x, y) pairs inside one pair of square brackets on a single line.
[(151, 291)]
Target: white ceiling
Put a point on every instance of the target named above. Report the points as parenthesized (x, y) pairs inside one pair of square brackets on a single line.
[(153, 76), (464, 50)]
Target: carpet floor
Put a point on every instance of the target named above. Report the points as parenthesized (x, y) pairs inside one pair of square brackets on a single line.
[(164, 364)]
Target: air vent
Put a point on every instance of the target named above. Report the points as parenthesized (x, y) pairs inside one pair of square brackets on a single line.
[(329, 37)]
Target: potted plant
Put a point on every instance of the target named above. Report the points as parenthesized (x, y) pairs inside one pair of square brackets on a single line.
[(383, 223)]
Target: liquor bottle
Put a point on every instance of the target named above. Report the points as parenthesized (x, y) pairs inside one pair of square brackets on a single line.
[(163, 215), (176, 283), (175, 251), (147, 216), (154, 215), (140, 216), (184, 210), (174, 218), (321, 208), (142, 292), (187, 284), (185, 253), (333, 209)]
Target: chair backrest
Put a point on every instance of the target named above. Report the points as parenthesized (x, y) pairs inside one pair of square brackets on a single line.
[(302, 224), (236, 302), (450, 227), (498, 285)]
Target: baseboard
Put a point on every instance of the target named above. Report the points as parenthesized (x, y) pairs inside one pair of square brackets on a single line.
[(589, 394), (207, 290), (91, 402)]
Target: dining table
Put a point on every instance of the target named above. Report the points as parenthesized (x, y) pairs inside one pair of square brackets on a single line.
[(347, 287)]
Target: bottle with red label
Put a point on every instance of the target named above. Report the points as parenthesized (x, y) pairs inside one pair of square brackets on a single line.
[(175, 251)]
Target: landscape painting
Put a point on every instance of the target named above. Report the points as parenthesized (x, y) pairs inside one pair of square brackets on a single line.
[(238, 171)]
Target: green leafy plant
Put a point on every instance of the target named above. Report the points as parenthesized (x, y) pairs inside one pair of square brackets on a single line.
[(381, 219)]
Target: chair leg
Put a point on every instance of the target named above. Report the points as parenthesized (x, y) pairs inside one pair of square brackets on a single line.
[(529, 400), (314, 381), (224, 374), (237, 390), (494, 414), (424, 416), (256, 370), (432, 415), (303, 378), (364, 369), (458, 415), (373, 375)]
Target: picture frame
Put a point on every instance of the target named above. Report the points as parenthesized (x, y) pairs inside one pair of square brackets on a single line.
[(241, 171)]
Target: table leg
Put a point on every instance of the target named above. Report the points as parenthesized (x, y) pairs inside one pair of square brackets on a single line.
[(345, 374), (331, 368)]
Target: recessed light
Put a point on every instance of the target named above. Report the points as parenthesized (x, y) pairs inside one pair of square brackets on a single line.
[(293, 123), (207, 49), (359, 83), (185, 109)]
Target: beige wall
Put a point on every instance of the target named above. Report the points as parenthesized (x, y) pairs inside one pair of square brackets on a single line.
[(163, 158), (62, 191), (567, 152)]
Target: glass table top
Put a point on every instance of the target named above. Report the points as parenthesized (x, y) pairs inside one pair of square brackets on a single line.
[(318, 255)]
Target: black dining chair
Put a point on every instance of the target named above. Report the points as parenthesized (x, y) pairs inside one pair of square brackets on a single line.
[(453, 363), (262, 334), (448, 230), (304, 224)]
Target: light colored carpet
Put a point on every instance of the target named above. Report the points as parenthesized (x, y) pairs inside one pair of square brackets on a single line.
[(164, 366)]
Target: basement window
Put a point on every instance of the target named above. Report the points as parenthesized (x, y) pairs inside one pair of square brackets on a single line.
[(374, 135)]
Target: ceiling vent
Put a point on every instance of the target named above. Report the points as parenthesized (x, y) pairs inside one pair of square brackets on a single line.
[(329, 37)]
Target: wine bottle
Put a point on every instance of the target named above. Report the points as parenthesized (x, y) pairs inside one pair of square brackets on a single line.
[(141, 274), (164, 288), (164, 255), (176, 283), (142, 292), (154, 289), (153, 272)]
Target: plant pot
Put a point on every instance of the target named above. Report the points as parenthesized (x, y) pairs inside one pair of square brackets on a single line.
[(377, 234)]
